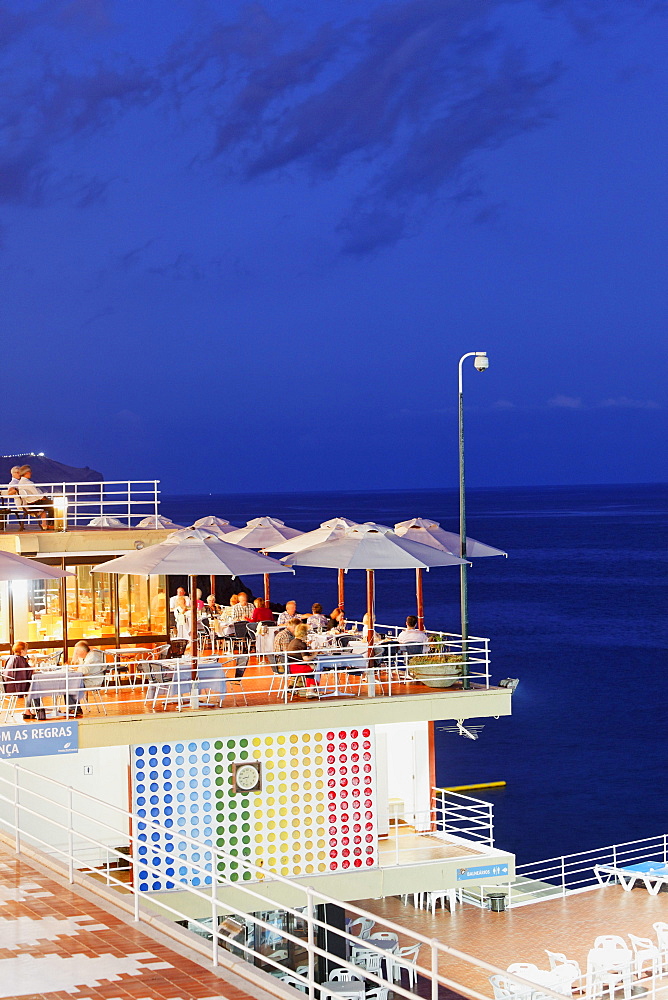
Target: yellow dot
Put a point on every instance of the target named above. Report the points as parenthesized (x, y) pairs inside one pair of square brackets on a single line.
[(321, 855), (294, 774), (272, 847), (318, 760), (259, 838), (282, 823), (306, 737), (269, 752), (309, 869), (283, 811), (282, 775), (285, 861), (282, 788), (297, 870), (294, 738), (318, 736), (319, 795), (284, 834), (271, 812), (269, 740), (271, 837), (309, 856), (295, 810), (271, 824), (297, 832), (258, 814), (283, 799), (319, 773), (307, 797), (271, 800), (322, 868), (296, 857), (307, 773), (257, 742), (257, 754), (285, 871), (259, 850), (294, 798), (307, 785), (282, 751), (280, 739)]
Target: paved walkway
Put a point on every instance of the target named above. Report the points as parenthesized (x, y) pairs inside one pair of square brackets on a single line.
[(56, 945)]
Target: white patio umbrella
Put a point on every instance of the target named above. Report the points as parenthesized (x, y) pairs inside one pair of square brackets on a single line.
[(192, 552), (14, 567), (334, 528), (371, 546), (260, 533), (104, 521), (430, 532), (215, 522), (157, 521)]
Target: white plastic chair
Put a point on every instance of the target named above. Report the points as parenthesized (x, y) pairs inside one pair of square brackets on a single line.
[(661, 929), (384, 936), (608, 967), (644, 950), (379, 993), (406, 958), (9, 703), (295, 983), (572, 972), (523, 969), (370, 961), (344, 976), (611, 941), (365, 927), (503, 988)]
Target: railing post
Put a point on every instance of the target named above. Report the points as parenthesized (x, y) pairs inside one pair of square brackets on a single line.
[(614, 855), (665, 845), (563, 875), (135, 883), (434, 971), (310, 942), (129, 504), (70, 840), (396, 839), (17, 830), (155, 497), (214, 909)]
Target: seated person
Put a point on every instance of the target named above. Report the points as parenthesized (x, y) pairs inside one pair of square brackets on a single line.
[(180, 592), (17, 672), (316, 619), (242, 610), (211, 609), (336, 619), (90, 663), (31, 499), (411, 639), (261, 613), (365, 630), (298, 657), (284, 636), (289, 613)]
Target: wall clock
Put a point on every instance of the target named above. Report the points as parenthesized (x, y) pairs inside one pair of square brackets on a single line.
[(247, 776)]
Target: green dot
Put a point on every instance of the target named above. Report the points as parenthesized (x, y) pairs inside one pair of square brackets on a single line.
[(233, 841), (245, 840), (221, 866), (245, 803), (230, 744), (245, 814), (220, 842), (247, 876), (220, 781), (218, 745), (218, 757), (243, 743), (233, 828), (243, 755), (234, 877), (219, 768), (234, 865), (230, 755), (245, 827), (246, 852)]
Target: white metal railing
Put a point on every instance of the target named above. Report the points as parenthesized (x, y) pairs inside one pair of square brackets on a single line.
[(65, 824), (537, 881), (464, 816), (76, 504), (136, 683)]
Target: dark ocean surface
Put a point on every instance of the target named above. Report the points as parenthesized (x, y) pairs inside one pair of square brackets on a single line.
[(577, 612)]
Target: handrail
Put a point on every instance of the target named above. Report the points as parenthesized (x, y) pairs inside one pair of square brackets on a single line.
[(75, 502), (79, 824)]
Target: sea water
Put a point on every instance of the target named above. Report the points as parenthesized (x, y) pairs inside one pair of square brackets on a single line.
[(577, 612)]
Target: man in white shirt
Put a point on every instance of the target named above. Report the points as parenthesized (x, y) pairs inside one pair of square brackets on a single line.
[(411, 639), (29, 498), (180, 592), (289, 613)]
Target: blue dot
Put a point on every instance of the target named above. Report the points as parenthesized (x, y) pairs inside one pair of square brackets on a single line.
[(193, 758), (166, 748), (139, 751), (206, 770), (139, 789), (166, 774), (207, 807), (178, 760), (206, 795), (153, 775), (208, 880), (181, 821), (155, 812), (183, 870), (169, 861), (194, 808), (179, 747), (141, 826), (192, 772), (143, 886), (206, 745), (154, 786), (141, 801), (207, 856), (153, 762), (154, 800), (143, 874), (155, 836), (206, 757), (139, 776), (180, 772), (196, 881), (181, 810), (180, 797), (192, 746), (193, 783), (142, 850), (169, 822), (168, 786), (152, 751), (142, 836), (207, 831), (156, 885), (196, 857), (169, 871), (141, 812), (155, 862), (168, 810), (195, 834), (180, 784)]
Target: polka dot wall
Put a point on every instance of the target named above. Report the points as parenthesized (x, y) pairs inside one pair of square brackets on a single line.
[(315, 812)]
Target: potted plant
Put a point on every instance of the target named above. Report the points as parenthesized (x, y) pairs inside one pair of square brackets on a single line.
[(435, 668)]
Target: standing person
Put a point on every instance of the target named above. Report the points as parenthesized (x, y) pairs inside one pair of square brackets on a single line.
[(182, 617), (180, 592), (17, 674)]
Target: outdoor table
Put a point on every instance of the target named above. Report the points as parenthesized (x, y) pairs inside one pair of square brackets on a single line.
[(333, 661), (384, 945), (178, 682), (652, 874), (54, 684), (349, 987), (135, 652), (264, 641)]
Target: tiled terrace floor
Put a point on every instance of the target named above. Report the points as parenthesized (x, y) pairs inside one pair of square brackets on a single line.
[(55, 944), (521, 935)]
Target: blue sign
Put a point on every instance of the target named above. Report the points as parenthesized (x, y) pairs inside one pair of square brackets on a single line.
[(487, 871), (46, 739)]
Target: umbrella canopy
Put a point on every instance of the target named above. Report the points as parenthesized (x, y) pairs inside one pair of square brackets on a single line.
[(104, 521), (194, 552), (14, 567), (428, 532), (262, 532), (215, 522), (157, 521), (372, 546), (334, 528)]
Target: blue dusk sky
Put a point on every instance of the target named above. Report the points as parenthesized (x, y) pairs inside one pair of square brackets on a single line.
[(243, 245)]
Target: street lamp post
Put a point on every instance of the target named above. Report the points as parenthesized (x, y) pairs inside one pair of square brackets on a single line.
[(480, 364)]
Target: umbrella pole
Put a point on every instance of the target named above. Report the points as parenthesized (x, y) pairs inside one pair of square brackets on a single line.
[(212, 581), (267, 589), (419, 598), (342, 577), (371, 684), (193, 625)]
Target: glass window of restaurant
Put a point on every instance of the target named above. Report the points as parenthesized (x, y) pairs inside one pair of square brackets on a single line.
[(101, 608)]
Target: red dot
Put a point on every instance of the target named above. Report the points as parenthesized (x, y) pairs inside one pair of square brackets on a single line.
[(344, 817), (366, 732), (353, 733), (355, 780), (330, 736), (343, 770), (344, 794), (354, 746), (331, 759), (369, 861), (344, 782), (342, 758), (345, 864), (345, 841), (367, 756), (368, 803), (368, 815), (331, 783), (369, 838), (369, 850), (358, 862), (357, 840), (357, 852), (356, 828), (330, 770), (333, 865), (333, 854), (333, 842), (356, 768), (330, 748), (332, 795), (368, 826), (367, 769), (345, 829), (355, 757), (333, 831), (345, 853), (342, 734)]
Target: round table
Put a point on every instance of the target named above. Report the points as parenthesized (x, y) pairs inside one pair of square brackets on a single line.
[(339, 987)]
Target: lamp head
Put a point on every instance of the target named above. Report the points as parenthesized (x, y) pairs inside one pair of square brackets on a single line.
[(480, 361)]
